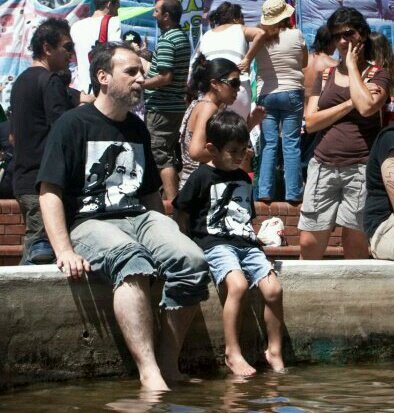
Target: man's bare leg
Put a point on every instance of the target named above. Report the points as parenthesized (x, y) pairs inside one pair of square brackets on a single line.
[(174, 326), (170, 179), (133, 312)]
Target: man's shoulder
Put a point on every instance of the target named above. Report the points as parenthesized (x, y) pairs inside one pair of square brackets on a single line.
[(175, 35)]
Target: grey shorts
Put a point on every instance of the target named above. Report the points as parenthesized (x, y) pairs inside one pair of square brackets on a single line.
[(149, 244), (382, 245), (164, 131), (333, 195)]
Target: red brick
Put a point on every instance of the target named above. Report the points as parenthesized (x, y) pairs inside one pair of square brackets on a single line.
[(337, 232), (10, 219), (2, 229), (6, 205), (10, 250), (283, 209), (259, 219), (10, 240), (291, 231), (261, 208), (293, 210), (10, 260), (274, 208), (15, 208), (293, 240), (15, 229), (335, 241), (291, 220)]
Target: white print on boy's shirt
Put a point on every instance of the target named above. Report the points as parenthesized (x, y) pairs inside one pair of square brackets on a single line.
[(230, 211), (113, 174)]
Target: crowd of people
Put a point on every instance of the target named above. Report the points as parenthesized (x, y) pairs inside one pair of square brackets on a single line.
[(89, 168)]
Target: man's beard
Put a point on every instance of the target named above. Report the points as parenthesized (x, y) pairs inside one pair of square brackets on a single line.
[(129, 100)]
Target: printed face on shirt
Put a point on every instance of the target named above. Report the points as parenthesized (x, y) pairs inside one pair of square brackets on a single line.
[(126, 80), (230, 156), (59, 57)]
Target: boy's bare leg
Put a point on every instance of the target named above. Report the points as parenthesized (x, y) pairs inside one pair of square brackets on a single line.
[(236, 288), (273, 317), (133, 312), (174, 326)]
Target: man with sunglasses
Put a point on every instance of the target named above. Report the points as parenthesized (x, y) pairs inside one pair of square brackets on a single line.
[(38, 98)]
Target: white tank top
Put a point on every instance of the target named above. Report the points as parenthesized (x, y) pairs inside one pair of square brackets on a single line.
[(229, 44)]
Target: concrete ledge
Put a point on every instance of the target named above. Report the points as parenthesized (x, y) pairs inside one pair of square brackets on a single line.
[(55, 328)]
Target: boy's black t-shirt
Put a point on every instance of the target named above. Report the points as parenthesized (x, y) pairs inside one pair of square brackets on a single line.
[(38, 98), (102, 166), (220, 207), (378, 206)]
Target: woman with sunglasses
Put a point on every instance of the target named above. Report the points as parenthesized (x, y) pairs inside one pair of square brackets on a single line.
[(217, 81), (344, 109), (280, 61)]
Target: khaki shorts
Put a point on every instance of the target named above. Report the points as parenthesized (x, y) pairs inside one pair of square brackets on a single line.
[(164, 131), (382, 245), (333, 195)]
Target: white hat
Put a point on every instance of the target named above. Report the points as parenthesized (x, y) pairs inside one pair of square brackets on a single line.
[(274, 11)]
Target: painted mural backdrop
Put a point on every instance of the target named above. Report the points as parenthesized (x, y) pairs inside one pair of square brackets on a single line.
[(18, 19)]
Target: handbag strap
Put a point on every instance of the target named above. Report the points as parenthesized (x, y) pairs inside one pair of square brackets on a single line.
[(103, 36)]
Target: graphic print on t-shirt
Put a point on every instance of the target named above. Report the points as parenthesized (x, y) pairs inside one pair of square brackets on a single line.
[(113, 175), (230, 211)]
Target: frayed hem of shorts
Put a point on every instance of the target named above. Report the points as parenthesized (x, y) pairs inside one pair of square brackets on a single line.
[(223, 277), (164, 307), (145, 274), (256, 282)]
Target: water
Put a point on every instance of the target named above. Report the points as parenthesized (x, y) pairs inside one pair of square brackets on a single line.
[(365, 388)]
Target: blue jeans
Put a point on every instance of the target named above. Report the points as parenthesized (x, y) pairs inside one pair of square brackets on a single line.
[(283, 109)]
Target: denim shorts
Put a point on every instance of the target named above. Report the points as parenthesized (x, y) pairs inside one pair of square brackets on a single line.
[(333, 194), (149, 244), (225, 258)]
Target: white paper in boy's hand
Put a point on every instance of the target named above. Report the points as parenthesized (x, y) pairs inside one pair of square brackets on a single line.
[(272, 232)]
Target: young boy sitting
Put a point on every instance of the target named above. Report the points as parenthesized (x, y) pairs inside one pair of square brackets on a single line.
[(215, 207)]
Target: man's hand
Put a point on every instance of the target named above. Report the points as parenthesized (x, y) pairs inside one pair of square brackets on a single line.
[(72, 264)]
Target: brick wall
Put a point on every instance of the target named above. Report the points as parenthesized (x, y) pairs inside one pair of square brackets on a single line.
[(12, 230)]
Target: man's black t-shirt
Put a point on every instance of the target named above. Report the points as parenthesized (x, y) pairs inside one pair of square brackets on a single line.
[(38, 98), (378, 206), (102, 166), (220, 207)]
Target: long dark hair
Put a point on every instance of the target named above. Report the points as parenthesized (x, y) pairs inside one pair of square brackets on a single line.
[(205, 70), (349, 16), (226, 13)]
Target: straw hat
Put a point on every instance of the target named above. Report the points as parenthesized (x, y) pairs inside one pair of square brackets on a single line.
[(274, 11)]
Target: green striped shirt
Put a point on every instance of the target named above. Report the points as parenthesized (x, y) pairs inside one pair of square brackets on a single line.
[(172, 54)]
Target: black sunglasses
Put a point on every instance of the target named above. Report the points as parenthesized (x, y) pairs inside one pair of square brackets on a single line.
[(347, 34), (235, 83), (69, 47)]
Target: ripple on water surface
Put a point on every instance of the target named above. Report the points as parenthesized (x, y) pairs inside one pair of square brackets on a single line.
[(365, 388)]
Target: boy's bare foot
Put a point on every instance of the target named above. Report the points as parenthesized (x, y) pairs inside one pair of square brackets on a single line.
[(239, 366), (275, 361)]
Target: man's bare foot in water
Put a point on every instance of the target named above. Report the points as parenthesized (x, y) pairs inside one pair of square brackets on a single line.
[(153, 382), (239, 366), (275, 361)]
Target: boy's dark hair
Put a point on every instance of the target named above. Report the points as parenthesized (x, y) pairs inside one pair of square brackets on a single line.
[(203, 71), (102, 60), (224, 127), (226, 13), (174, 9), (323, 40), (349, 16), (50, 31)]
